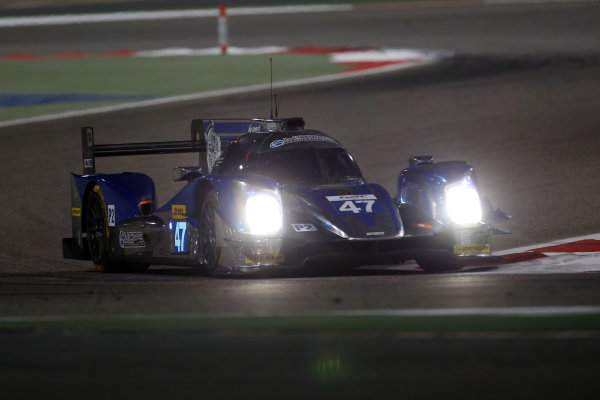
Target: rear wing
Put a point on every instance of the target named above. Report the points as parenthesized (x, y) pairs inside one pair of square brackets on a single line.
[(208, 138)]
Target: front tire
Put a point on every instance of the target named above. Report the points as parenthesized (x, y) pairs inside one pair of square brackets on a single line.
[(210, 255), (439, 263)]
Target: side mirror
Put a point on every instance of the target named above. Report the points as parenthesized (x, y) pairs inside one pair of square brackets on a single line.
[(415, 161), (187, 173)]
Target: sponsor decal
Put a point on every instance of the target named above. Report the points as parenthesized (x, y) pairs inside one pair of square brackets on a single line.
[(254, 128), (352, 197), (131, 240), (276, 143), (472, 248), (111, 214), (265, 259), (304, 227), (301, 138), (178, 211), (375, 233), (88, 163), (76, 212)]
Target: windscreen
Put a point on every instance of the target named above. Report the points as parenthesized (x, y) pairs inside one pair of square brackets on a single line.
[(304, 165)]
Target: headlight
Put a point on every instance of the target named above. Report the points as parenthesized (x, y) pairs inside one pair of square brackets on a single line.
[(263, 211), (462, 202)]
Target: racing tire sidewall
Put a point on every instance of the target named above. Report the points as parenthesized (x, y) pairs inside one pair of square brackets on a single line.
[(98, 232), (210, 253), (439, 263)]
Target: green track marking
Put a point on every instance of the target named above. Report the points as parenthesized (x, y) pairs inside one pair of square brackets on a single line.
[(147, 76), (311, 324)]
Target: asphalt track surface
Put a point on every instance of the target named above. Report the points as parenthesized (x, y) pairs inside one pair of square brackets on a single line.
[(519, 101)]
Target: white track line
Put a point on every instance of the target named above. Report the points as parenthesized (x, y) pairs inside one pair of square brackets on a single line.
[(11, 22), (541, 311), (480, 311), (594, 236), (521, 2), (211, 51)]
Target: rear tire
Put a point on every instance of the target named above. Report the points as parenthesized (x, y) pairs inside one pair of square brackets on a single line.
[(96, 227)]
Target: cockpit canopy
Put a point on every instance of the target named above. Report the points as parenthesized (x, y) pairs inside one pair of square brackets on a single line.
[(290, 157)]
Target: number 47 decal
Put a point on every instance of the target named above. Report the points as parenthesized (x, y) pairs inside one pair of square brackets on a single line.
[(353, 203)]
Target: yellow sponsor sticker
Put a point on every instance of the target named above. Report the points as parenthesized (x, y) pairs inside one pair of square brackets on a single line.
[(472, 248), (76, 212), (178, 211), (265, 259)]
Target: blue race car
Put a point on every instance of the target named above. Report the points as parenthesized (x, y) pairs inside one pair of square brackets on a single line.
[(270, 194)]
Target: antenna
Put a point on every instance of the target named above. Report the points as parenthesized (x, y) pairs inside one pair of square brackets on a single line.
[(276, 106), (271, 96)]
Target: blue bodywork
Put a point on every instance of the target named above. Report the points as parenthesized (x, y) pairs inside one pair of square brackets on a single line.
[(422, 186), (127, 189)]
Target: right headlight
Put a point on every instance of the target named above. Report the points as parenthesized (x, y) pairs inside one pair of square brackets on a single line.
[(462, 202)]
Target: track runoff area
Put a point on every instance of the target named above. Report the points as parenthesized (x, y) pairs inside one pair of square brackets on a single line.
[(27, 107), (572, 255)]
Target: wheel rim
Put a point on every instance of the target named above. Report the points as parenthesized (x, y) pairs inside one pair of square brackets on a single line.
[(96, 229), (209, 237)]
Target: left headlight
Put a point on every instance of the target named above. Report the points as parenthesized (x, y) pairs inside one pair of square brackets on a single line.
[(263, 212), (462, 202)]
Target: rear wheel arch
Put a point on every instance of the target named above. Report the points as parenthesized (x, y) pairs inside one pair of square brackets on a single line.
[(105, 263)]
